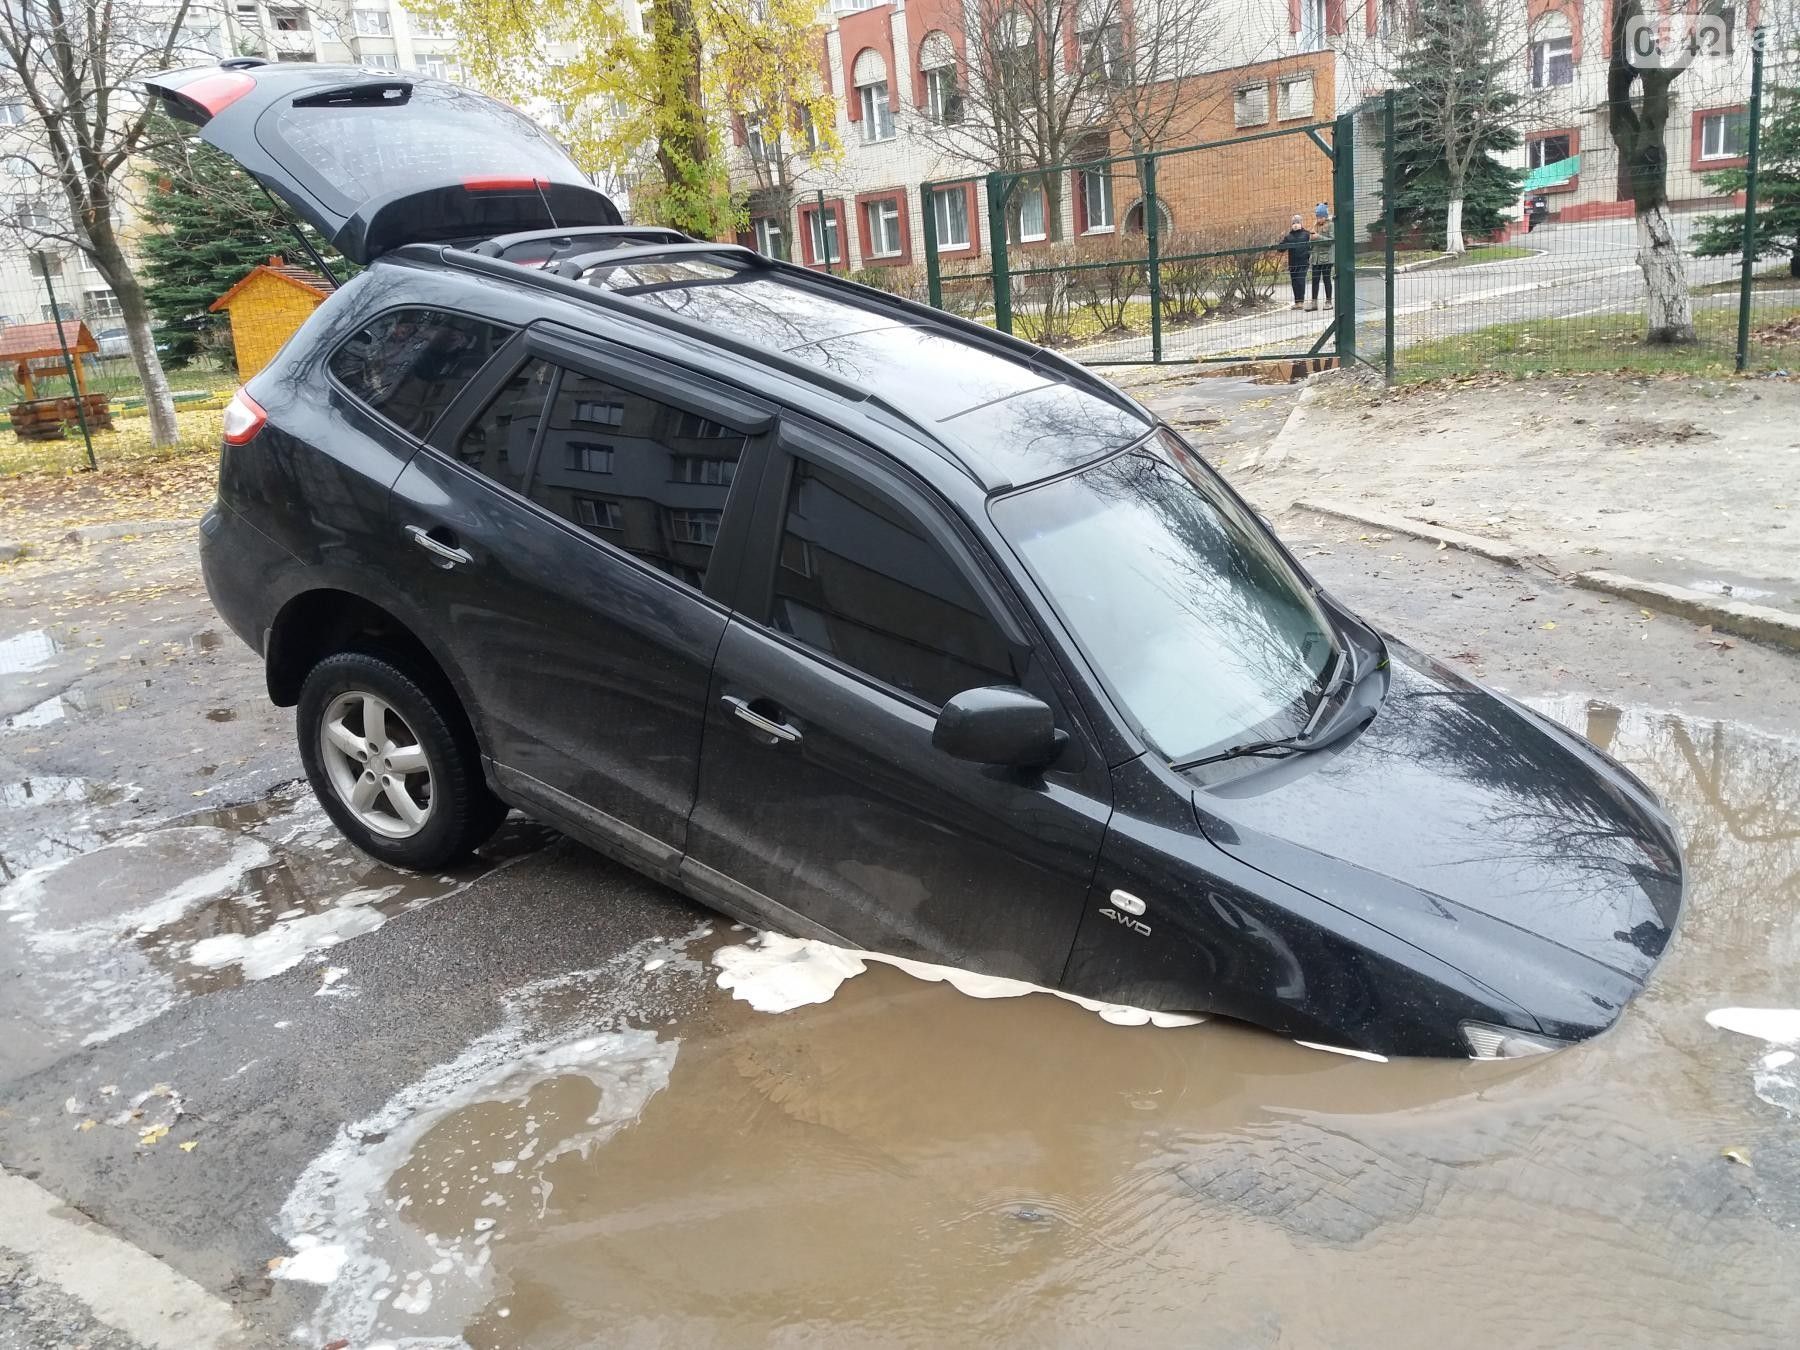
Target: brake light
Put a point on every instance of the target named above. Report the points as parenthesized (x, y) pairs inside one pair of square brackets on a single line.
[(503, 183), (244, 417), (216, 92)]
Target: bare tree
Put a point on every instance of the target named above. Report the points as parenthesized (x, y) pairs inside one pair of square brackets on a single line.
[(1645, 62), (1044, 77), (77, 67), (1467, 83)]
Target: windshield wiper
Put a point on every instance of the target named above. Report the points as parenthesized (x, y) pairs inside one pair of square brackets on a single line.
[(1309, 736)]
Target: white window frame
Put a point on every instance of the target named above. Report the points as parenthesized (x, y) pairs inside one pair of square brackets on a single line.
[(372, 22), (13, 114), (435, 65), (589, 514), (882, 220), (1239, 103), (1285, 109), (1544, 52), (1312, 34), (809, 129), (1720, 120), (599, 412), (381, 61), (587, 457), (1534, 149), (769, 235), (941, 95), (1027, 194), (877, 103), (1097, 186), (689, 525), (943, 217), (754, 141)]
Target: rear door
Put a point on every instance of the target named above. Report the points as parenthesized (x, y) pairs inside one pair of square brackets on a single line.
[(823, 805), (571, 530), (375, 160)]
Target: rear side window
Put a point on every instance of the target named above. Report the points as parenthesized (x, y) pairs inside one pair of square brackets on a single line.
[(643, 476), (861, 581), (498, 443), (408, 364)]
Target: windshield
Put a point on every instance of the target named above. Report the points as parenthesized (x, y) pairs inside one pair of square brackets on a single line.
[(1178, 597)]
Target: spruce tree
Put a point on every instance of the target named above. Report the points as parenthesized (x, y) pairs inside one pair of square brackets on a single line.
[(1454, 113), (208, 223), (1777, 189)]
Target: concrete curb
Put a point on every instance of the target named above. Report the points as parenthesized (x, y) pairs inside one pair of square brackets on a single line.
[(95, 534), (1275, 454), (1495, 549), (1760, 623)]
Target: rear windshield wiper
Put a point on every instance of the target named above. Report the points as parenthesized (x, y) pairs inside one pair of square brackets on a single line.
[(1309, 737)]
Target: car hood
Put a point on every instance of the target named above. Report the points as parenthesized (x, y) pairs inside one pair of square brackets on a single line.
[(1452, 803)]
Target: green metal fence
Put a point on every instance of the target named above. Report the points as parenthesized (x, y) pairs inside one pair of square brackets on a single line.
[(1155, 257)]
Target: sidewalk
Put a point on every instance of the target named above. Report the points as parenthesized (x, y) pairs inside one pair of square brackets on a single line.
[(1684, 486)]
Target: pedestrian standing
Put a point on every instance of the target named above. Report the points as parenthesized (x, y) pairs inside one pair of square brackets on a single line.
[(1297, 243), (1324, 249)]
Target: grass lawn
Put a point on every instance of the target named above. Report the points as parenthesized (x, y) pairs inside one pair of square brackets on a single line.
[(1489, 253), (128, 443), (1601, 342), (1769, 279)]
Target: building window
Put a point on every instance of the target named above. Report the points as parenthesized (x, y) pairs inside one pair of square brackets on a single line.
[(597, 513), (296, 56), (1552, 62), (770, 242), (1294, 97), (877, 112), (372, 23), (1028, 217), (587, 457), (1724, 135), (1549, 150), (1102, 50), (102, 304), (1165, 223), (1312, 26), (249, 16), (289, 20), (882, 221), (17, 166), (694, 527), (950, 213), (941, 99), (809, 129), (1096, 188), (823, 245), (704, 470), (31, 214), (754, 142), (1250, 105), (437, 67), (12, 114), (693, 427), (381, 61)]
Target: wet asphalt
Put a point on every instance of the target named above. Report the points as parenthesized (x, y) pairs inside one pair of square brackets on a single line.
[(164, 721)]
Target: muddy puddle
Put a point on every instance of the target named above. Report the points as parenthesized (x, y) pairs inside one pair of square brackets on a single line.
[(634, 1157), (122, 925)]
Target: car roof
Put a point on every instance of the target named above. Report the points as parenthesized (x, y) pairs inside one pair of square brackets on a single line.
[(1005, 412)]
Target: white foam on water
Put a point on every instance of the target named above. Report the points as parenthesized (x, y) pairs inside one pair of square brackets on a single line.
[(284, 945), (774, 974), (410, 1276), (1777, 1026), (313, 1263)]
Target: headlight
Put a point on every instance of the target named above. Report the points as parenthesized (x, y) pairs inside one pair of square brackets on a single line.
[(1489, 1042)]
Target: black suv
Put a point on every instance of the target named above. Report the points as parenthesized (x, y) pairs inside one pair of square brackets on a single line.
[(853, 619)]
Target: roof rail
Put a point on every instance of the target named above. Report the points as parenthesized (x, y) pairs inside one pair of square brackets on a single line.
[(501, 245), (620, 257), (657, 316)]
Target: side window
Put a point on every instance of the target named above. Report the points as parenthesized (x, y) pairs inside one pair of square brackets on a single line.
[(408, 364), (639, 474), (858, 579), (498, 442)]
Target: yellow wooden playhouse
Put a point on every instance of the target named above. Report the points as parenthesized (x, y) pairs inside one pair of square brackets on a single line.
[(266, 306)]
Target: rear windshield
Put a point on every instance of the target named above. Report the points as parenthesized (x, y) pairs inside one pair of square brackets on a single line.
[(391, 139)]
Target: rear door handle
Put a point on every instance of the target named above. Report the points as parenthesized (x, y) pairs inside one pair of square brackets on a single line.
[(779, 733), (449, 553)]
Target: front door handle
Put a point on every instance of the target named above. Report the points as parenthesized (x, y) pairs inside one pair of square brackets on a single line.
[(779, 733), (450, 554)]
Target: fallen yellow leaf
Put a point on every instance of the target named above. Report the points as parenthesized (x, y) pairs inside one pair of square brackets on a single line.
[(1549, 623), (189, 1146), (153, 1135)]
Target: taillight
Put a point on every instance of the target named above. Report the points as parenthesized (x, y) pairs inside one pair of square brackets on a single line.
[(504, 183), (244, 417), (215, 92)]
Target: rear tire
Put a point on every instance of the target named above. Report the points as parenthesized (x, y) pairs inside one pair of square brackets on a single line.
[(390, 758)]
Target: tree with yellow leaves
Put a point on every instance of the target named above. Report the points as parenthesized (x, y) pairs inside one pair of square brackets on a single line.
[(637, 90)]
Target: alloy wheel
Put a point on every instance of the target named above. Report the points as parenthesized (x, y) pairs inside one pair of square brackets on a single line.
[(376, 764)]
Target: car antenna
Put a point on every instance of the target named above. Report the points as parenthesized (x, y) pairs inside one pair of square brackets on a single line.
[(300, 234), (544, 197)]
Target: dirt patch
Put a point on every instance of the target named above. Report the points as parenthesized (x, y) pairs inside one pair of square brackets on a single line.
[(40, 508), (1649, 431)]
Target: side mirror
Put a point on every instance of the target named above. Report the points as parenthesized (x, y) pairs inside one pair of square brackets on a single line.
[(999, 725)]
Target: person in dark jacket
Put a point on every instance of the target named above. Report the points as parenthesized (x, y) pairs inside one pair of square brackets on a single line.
[(1297, 243)]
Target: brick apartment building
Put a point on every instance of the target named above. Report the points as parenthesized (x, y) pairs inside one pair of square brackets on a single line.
[(1272, 63)]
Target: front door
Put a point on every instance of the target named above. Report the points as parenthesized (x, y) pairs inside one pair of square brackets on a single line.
[(566, 528), (823, 803)]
